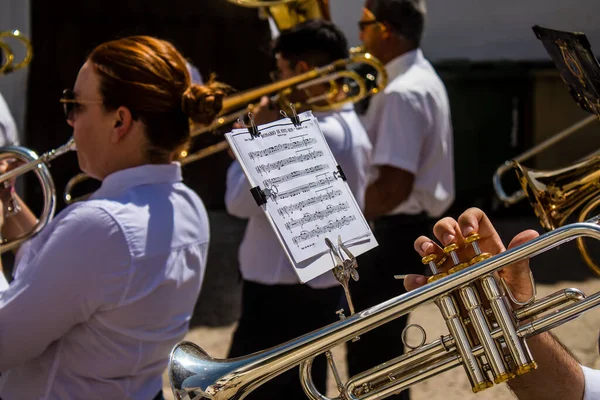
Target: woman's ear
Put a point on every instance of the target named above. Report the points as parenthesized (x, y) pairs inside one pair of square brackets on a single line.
[(122, 124)]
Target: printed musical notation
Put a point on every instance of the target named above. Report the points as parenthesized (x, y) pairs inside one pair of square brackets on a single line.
[(294, 175), (308, 199), (318, 231), (266, 168), (317, 215), (294, 144), (299, 206), (319, 182)]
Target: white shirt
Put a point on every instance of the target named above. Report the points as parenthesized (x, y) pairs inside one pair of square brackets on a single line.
[(8, 129), (105, 291), (410, 127), (261, 257), (592, 383)]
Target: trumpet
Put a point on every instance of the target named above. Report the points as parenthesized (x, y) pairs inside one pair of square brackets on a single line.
[(7, 55), (236, 106), (493, 351), (40, 166)]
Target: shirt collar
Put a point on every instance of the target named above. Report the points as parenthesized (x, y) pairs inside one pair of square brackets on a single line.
[(402, 63), (147, 174)]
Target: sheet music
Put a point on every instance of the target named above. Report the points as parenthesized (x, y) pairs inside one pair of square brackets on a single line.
[(308, 199)]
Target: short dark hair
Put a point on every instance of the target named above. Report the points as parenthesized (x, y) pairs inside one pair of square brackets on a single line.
[(317, 42), (406, 17)]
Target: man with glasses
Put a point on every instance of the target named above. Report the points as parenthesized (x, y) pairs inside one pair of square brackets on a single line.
[(275, 306), (411, 176)]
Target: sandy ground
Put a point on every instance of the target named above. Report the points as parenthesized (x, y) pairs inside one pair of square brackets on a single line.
[(580, 336)]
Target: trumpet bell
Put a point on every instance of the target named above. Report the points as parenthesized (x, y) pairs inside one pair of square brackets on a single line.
[(555, 195), (43, 174)]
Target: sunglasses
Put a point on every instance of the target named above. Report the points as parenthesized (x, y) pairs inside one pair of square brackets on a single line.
[(71, 105), (363, 24)]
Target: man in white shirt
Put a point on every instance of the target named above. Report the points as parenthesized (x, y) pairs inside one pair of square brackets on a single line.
[(275, 306), (558, 375), (412, 177)]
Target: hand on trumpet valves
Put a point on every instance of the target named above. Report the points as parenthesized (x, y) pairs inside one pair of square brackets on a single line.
[(456, 236)]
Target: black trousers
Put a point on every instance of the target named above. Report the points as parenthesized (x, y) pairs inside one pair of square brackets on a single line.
[(377, 267), (272, 315)]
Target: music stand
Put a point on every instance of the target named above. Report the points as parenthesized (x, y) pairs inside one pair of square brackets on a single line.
[(579, 68)]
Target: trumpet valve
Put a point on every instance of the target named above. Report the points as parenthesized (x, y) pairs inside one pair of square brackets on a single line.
[(479, 256), (451, 250), (431, 261)]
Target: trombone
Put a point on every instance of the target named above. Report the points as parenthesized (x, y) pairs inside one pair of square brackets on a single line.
[(7, 56), (494, 351), (40, 166), (236, 106)]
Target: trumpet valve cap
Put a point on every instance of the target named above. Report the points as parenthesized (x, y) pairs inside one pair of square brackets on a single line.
[(523, 369), (482, 386), (503, 377), (437, 276), (429, 258), (479, 258), (457, 267), (450, 248), (472, 238)]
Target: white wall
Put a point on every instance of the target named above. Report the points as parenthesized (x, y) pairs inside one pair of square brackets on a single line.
[(488, 29), (14, 14)]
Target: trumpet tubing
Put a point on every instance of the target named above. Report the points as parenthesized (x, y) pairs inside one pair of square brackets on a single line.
[(490, 343)]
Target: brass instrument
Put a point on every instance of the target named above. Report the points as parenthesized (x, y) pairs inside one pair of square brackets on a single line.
[(287, 13), (7, 54), (39, 165), (238, 105), (513, 198), (490, 345), (556, 195)]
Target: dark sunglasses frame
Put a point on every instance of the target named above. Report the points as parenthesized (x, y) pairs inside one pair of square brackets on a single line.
[(70, 103), (363, 24)]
